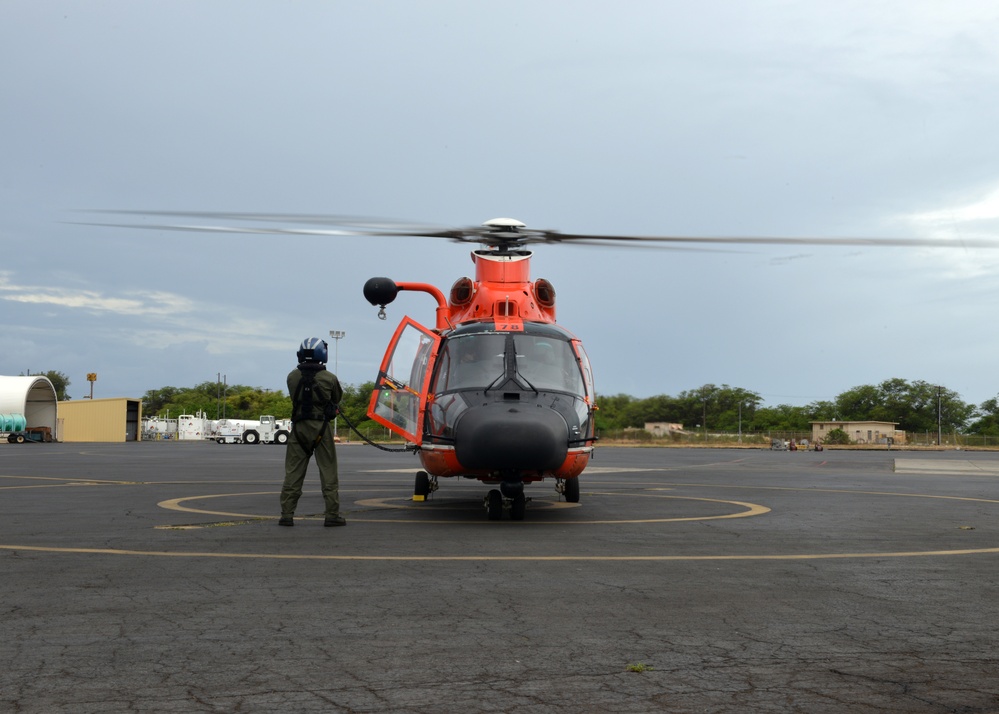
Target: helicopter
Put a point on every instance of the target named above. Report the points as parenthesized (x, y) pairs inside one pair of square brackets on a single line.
[(496, 390)]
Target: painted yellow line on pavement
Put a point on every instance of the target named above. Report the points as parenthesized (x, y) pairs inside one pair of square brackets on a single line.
[(53, 482), (512, 558)]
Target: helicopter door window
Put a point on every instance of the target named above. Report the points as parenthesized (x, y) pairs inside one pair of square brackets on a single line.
[(402, 381)]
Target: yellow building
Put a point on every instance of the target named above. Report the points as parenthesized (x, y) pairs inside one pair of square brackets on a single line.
[(105, 420)]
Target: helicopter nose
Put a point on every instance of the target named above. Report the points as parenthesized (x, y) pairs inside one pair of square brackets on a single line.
[(501, 437)]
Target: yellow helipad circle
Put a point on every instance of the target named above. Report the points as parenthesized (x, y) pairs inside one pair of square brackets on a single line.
[(750, 509)]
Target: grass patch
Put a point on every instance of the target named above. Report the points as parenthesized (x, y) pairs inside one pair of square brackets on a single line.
[(639, 667)]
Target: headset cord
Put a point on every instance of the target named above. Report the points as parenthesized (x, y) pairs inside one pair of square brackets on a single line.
[(369, 441)]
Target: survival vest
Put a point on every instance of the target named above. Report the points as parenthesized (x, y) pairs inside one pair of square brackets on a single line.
[(307, 402)]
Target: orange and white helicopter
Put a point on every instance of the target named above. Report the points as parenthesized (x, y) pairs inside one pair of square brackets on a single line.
[(495, 390)]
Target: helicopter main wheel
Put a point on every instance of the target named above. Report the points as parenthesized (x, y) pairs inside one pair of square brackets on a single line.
[(571, 491), (518, 506), (422, 484), (494, 505)]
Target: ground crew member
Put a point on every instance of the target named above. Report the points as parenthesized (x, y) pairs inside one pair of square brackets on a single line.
[(315, 394)]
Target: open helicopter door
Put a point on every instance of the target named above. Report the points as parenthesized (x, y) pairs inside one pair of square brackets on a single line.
[(403, 380)]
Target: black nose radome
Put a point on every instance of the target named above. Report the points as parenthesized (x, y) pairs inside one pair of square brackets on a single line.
[(502, 437)]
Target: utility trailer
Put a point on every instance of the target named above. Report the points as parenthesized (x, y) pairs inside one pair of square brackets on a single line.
[(14, 428)]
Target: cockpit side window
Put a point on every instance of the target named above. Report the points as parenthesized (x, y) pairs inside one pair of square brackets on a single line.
[(584, 363)]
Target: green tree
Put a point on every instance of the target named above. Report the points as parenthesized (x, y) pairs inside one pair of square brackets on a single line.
[(837, 436), (660, 408), (733, 407), (354, 405), (987, 422), (60, 382), (915, 406), (612, 411), (823, 411), (720, 406), (155, 401), (782, 417)]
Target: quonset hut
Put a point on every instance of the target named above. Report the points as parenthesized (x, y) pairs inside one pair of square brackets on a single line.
[(33, 397)]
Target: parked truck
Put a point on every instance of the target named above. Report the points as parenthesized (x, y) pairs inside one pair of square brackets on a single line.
[(266, 430)]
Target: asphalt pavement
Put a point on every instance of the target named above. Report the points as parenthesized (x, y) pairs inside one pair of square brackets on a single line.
[(153, 577)]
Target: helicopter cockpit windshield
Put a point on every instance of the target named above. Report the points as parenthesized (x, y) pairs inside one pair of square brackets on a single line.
[(471, 362), (504, 376), (548, 365), (482, 360)]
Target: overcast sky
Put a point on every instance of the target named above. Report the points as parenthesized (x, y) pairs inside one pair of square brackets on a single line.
[(750, 118)]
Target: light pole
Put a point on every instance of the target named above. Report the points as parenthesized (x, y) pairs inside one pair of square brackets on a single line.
[(336, 335), (939, 424)]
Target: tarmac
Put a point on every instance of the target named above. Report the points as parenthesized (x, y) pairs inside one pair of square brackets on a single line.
[(152, 577)]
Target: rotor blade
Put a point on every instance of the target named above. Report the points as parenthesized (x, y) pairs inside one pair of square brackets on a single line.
[(555, 236), (343, 225), (598, 243), (309, 218), (220, 229)]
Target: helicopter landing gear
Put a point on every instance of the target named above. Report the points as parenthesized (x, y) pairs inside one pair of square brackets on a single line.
[(518, 505), (425, 485), (508, 495), (568, 487), (494, 505)]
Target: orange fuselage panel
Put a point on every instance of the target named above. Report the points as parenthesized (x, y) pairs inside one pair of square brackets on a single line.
[(503, 289), (442, 461)]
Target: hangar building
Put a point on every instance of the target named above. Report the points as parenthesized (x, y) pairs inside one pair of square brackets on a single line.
[(34, 397)]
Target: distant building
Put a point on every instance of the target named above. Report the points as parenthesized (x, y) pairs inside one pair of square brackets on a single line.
[(32, 397), (860, 432), (662, 428), (100, 420)]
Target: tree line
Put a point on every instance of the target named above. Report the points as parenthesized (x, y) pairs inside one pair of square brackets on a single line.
[(243, 402), (916, 406)]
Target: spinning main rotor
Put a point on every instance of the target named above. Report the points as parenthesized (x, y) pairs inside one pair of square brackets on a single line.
[(502, 234)]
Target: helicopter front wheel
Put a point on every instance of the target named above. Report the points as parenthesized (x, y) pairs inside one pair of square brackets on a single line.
[(494, 505), (569, 488), (518, 506), (422, 488)]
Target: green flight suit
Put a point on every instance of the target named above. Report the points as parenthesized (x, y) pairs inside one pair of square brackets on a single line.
[(311, 434)]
